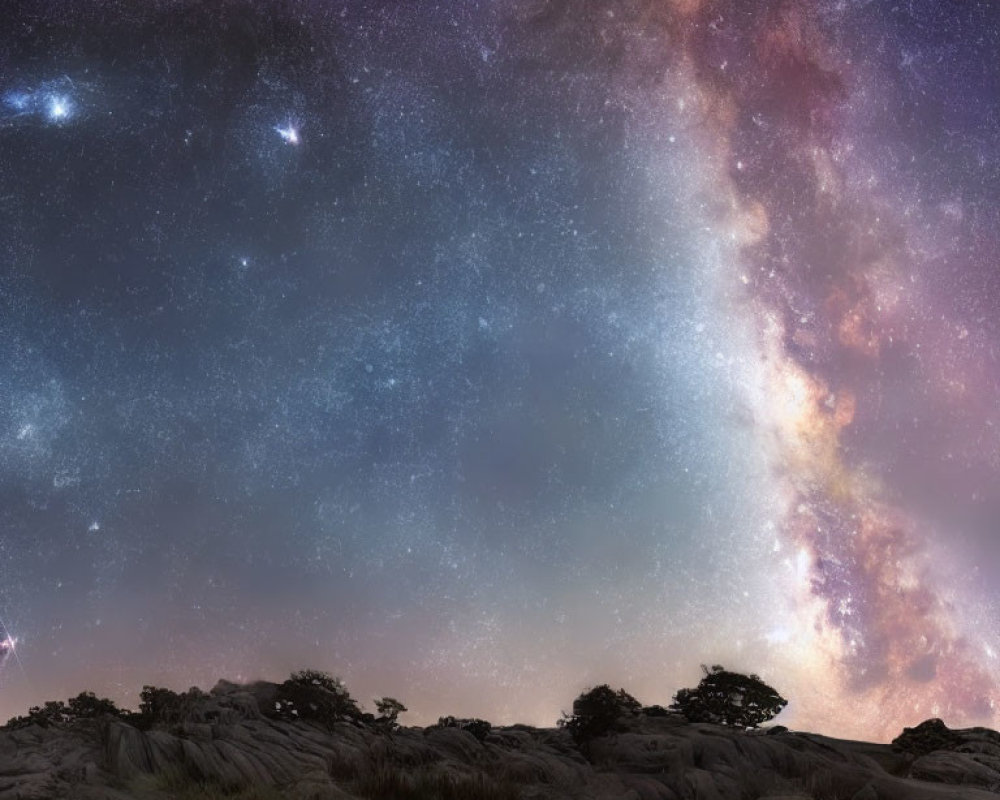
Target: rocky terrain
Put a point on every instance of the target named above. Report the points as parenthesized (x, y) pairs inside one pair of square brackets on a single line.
[(226, 747)]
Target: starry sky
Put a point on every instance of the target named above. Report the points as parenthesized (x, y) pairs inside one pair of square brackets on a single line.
[(480, 352)]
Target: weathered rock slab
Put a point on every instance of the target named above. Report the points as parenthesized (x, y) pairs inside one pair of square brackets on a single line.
[(227, 742)]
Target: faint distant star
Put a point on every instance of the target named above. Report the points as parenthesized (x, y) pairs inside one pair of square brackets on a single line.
[(17, 100)]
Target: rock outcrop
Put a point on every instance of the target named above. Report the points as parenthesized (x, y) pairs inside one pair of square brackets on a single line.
[(969, 756), (226, 746)]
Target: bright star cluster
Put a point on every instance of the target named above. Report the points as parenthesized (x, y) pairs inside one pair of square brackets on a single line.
[(478, 353), (53, 102)]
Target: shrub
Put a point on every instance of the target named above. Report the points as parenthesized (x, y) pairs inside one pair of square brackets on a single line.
[(597, 712), (729, 698), (180, 783), (479, 728), (53, 712), (393, 783), (928, 736), (85, 705)]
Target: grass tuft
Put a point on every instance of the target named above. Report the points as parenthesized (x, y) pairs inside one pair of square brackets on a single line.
[(392, 783), (178, 784)]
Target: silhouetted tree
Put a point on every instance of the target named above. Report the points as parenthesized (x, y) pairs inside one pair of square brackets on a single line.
[(53, 712), (729, 698), (389, 709), (85, 705), (314, 695), (597, 712), (157, 704), (88, 705)]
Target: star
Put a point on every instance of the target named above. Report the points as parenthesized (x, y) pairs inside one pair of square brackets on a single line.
[(59, 108), (289, 133), (19, 101)]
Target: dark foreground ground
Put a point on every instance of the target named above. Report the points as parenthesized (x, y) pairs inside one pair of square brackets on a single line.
[(225, 748)]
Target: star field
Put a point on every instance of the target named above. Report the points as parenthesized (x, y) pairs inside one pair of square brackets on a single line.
[(479, 353)]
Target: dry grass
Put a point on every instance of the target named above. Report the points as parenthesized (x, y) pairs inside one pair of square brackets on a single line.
[(392, 783), (178, 784)]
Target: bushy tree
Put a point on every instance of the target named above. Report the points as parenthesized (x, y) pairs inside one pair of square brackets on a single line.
[(89, 705), (597, 712), (729, 698), (157, 704), (314, 695), (315, 677)]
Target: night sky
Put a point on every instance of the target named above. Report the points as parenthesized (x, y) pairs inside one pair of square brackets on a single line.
[(480, 352)]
